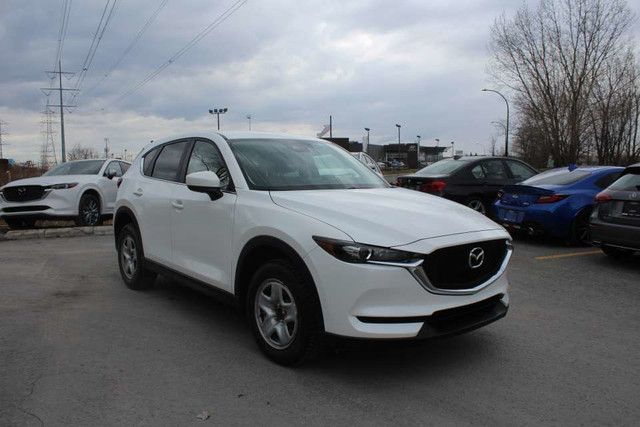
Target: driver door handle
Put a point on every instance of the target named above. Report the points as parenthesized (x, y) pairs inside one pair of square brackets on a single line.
[(177, 205), (138, 192)]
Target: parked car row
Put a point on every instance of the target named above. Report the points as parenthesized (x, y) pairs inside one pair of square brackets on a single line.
[(595, 204)]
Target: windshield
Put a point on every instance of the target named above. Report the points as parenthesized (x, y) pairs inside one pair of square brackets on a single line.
[(557, 177), (628, 182), (288, 164), (82, 167), (442, 167)]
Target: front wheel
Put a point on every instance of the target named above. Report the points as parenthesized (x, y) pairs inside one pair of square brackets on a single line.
[(284, 313), (88, 211), (134, 275)]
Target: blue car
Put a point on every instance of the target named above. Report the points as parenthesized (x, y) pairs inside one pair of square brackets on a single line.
[(557, 202)]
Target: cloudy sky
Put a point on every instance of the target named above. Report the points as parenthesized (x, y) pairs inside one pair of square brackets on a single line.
[(289, 64)]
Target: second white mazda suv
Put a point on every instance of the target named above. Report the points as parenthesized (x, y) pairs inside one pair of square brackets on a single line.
[(82, 190), (308, 240)]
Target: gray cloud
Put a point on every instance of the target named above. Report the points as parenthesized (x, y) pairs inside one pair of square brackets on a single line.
[(287, 63)]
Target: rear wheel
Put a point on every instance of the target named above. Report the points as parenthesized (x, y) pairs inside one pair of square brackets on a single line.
[(20, 223), (580, 232), (88, 211), (284, 313), (476, 204), (616, 252), (134, 275)]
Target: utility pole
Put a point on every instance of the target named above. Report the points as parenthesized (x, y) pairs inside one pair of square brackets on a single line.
[(106, 148), (2, 133), (60, 89), (249, 118), (330, 127)]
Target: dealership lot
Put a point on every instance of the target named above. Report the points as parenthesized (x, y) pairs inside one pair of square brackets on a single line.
[(78, 348)]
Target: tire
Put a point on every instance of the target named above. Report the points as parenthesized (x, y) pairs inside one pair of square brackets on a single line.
[(477, 204), (580, 231), (20, 223), (284, 314), (616, 252), (88, 211), (130, 256)]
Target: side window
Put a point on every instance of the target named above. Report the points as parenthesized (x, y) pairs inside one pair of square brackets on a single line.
[(113, 168), (493, 169), (477, 172), (520, 171), (125, 167), (607, 180), (206, 157), (149, 159), (167, 164)]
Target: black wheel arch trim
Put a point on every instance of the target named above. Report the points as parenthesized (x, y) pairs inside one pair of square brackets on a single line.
[(241, 282), (123, 210)]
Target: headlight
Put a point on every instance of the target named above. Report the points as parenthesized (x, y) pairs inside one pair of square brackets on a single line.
[(62, 186), (358, 253)]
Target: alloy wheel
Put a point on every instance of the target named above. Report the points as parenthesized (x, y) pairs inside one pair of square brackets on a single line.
[(90, 211), (477, 206), (276, 314), (129, 257)]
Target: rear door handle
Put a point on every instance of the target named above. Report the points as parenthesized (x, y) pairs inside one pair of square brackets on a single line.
[(177, 205), (138, 192)]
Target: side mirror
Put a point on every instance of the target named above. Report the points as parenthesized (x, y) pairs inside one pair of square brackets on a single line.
[(111, 173), (205, 182)]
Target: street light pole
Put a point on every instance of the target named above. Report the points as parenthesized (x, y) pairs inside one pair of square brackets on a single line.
[(249, 118), (398, 126), (217, 112), (506, 131), (418, 150), (453, 150), (367, 149)]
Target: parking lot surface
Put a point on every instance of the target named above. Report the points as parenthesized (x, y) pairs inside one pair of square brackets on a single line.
[(78, 348)]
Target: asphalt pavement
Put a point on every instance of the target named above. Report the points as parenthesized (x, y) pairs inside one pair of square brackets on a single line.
[(77, 348)]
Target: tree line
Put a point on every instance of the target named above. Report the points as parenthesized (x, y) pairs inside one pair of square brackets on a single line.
[(571, 67)]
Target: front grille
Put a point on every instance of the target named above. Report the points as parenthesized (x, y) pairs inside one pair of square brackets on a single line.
[(24, 193), (450, 268)]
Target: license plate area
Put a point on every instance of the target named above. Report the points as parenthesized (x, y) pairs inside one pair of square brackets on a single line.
[(511, 216), (631, 209)]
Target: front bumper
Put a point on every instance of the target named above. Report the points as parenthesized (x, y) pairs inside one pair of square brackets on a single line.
[(54, 203), (385, 302)]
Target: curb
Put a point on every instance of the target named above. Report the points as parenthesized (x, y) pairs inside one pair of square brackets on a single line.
[(49, 233)]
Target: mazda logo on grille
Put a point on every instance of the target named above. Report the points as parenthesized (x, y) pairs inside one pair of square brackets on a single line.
[(22, 191), (476, 257)]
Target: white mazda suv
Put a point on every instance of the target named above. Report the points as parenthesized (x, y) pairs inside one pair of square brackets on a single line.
[(308, 240), (82, 190)]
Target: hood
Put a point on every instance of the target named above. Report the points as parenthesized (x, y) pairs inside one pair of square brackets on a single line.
[(385, 216), (48, 180)]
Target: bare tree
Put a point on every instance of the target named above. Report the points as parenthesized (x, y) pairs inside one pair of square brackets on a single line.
[(79, 152), (552, 58)]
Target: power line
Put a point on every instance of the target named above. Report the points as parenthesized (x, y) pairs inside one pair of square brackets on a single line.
[(212, 26), (62, 32), (131, 45), (95, 43)]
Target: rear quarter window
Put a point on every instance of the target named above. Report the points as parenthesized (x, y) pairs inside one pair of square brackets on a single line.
[(148, 161)]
